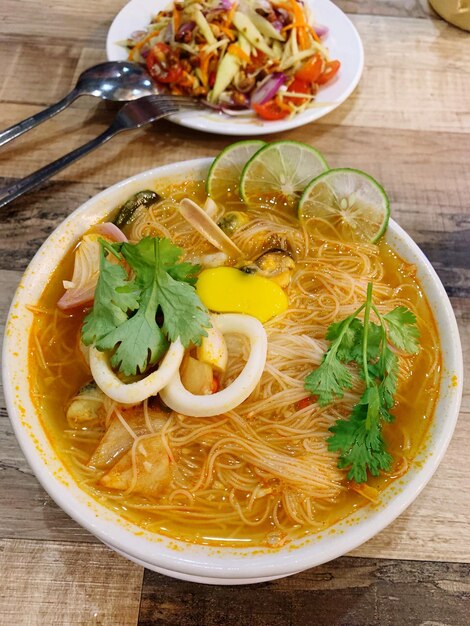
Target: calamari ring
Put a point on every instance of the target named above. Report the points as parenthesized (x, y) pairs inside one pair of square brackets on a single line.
[(133, 393), (176, 397)]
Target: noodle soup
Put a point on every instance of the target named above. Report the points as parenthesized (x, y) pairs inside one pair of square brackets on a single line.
[(260, 473)]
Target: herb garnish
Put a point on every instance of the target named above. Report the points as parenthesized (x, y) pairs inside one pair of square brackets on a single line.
[(359, 439), (124, 314)]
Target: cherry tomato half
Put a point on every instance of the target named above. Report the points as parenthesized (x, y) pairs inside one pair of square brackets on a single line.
[(311, 71), (270, 110), (161, 68), (330, 71), (298, 86)]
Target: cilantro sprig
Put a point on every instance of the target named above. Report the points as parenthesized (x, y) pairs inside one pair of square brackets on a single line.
[(359, 439), (124, 318)]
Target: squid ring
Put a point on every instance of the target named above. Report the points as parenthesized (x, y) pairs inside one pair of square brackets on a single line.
[(133, 393), (176, 397)]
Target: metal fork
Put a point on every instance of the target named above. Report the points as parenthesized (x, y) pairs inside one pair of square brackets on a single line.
[(132, 115)]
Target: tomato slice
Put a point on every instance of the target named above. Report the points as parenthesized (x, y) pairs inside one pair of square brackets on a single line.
[(305, 402), (330, 71), (311, 71), (160, 67), (298, 86), (270, 110)]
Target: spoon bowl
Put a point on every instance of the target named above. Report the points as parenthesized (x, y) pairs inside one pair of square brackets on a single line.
[(119, 81)]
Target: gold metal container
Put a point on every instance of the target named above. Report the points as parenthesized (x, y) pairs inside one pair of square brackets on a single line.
[(456, 12)]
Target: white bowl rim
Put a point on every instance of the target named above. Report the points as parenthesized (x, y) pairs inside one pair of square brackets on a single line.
[(227, 563), (225, 125)]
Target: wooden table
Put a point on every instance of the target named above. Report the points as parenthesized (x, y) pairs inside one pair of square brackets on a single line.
[(408, 124)]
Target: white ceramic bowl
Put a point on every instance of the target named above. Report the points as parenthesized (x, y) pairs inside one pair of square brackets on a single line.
[(342, 41), (175, 558)]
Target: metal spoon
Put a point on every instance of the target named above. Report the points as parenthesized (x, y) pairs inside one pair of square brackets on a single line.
[(114, 80)]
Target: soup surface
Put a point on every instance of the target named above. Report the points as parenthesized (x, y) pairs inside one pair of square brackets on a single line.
[(260, 474)]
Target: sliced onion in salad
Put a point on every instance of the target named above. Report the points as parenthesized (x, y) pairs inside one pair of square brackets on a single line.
[(268, 88), (321, 30)]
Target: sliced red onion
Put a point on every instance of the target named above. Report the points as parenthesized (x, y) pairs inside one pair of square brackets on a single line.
[(283, 15), (137, 35), (226, 4), (226, 100), (168, 33), (278, 25), (111, 231), (268, 88), (321, 30), (187, 27)]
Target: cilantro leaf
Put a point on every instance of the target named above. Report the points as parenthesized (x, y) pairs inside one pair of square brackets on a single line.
[(361, 446), (177, 299), (139, 340), (124, 315), (402, 329), (374, 336), (184, 315), (114, 297), (185, 272), (359, 439), (388, 386), (348, 333), (329, 380)]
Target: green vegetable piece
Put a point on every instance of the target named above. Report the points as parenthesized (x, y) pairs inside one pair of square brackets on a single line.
[(402, 329), (247, 29), (115, 296), (359, 439), (329, 381), (124, 315), (204, 27), (226, 71), (126, 213), (362, 447)]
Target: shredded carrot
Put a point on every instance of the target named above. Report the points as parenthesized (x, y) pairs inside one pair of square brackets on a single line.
[(204, 67), (312, 31), (238, 52), (282, 105), (297, 25), (230, 34), (371, 493), (139, 44), (300, 22), (176, 19), (230, 14)]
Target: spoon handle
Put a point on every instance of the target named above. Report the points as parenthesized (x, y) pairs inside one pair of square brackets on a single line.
[(30, 122), (36, 178)]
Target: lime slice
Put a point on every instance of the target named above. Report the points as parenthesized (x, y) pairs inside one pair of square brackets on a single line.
[(279, 172), (224, 174), (345, 204)]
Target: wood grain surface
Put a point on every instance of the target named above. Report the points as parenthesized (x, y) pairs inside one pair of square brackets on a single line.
[(408, 124)]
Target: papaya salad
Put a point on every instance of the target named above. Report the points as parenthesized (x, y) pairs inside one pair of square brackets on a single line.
[(241, 56)]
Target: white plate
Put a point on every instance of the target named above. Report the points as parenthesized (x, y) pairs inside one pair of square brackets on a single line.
[(343, 43)]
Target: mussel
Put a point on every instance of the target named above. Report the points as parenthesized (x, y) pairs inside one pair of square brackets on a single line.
[(126, 213), (232, 221), (276, 264)]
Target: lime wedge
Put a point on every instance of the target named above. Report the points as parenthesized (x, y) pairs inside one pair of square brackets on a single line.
[(279, 172), (224, 174), (345, 204)]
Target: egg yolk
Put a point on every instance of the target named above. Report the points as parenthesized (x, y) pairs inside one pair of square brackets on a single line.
[(229, 290)]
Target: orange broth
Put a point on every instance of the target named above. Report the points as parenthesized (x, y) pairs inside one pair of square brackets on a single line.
[(57, 371)]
